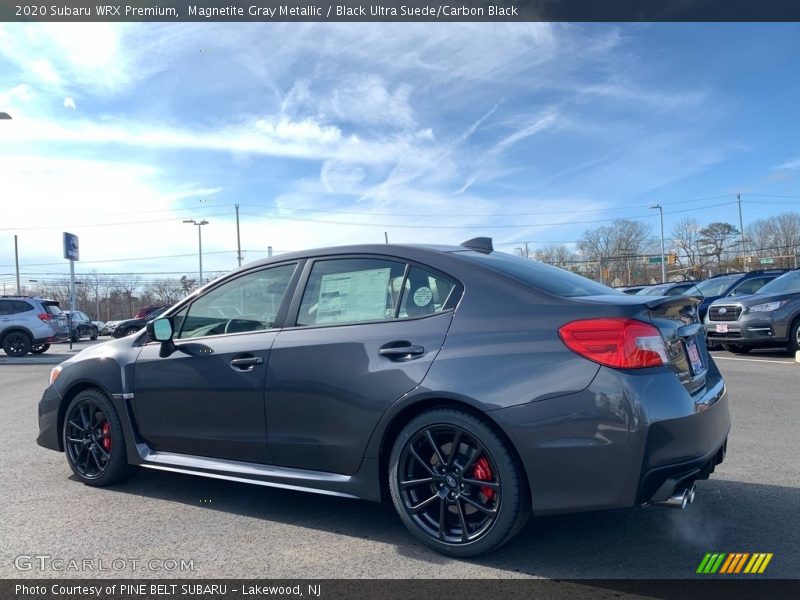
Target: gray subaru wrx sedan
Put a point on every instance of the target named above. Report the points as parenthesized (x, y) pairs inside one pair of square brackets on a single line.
[(470, 387)]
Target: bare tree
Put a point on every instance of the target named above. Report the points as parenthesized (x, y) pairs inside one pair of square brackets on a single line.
[(167, 291), (616, 246), (715, 239), (558, 255), (686, 243)]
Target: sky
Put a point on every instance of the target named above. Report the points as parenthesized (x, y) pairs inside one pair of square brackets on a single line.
[(329, 134)]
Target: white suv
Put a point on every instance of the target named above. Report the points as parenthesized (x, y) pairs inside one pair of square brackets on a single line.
[(29, 324)]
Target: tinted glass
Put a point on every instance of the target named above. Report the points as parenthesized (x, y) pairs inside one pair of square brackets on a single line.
[(51, 308), (717, 286), (351, 290), (424, 294), (653, 290), (545, 277), (20, 306), (749, 286), (788, 282), (5, 307), (247, 303)]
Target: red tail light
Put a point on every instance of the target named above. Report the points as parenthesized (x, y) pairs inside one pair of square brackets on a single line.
[(616, 342), (45, 317)]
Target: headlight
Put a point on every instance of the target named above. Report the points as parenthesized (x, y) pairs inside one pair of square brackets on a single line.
[(768, 306), (54, 374)]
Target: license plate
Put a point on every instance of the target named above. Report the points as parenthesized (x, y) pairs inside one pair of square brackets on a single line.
[(694, 357), (722, 328)]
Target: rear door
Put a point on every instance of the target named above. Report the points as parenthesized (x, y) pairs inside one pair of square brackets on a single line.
[(366, 330)]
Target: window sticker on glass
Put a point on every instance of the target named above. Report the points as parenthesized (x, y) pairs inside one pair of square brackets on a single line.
[(355, 296), (423, 296)]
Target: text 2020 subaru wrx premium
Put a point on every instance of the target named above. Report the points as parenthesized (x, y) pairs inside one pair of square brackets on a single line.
[(471, 387)]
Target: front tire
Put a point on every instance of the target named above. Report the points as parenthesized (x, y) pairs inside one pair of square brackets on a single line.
[(794, 336), (17, 343), (130, 331), (456, 484), (40, 348), (94, 440)]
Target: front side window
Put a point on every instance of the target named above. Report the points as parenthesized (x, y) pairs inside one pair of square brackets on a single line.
[(351, 290), (750, 286), (247, 303)]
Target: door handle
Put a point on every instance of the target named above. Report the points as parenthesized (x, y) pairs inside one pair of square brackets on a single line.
[(402, 352), (245, 363)]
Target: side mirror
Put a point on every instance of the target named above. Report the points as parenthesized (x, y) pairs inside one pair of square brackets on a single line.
[(160, 330)]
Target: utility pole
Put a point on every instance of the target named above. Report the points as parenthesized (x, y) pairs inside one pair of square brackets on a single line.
[(663, 266), (386, 236), (269, 251), (527, 255), (741, 230), (199, 225), (16, 263), (238, 239)]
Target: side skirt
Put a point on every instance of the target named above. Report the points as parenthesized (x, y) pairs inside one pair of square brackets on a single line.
[(362, 485)]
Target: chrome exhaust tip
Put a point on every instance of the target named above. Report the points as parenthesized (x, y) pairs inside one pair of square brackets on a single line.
[(678, 499)]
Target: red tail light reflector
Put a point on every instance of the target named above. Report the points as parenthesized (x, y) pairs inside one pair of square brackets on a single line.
[(616, 342), (45, 317)]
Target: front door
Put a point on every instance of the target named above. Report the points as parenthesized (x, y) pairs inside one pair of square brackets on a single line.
[(366, 333), (207, 397)]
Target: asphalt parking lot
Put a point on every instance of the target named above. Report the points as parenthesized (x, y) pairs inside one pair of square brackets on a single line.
[(751, 504)]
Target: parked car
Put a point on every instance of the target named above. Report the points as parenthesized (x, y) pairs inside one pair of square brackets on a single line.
[(733, 284), (29, 324), (768, 318), (633, 289), (667, 289), (470, 387), (145, 311), (131, 326), (81, 325), (108, 327), (100, 326)]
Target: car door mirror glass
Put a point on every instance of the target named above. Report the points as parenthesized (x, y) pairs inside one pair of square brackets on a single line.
[(162, 330)]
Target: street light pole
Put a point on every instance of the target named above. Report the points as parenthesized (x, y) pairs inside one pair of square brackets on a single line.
[(199, 225), (663, 265)]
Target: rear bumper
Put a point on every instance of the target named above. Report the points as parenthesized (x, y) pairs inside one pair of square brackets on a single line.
[(616, 443), (49, 432)]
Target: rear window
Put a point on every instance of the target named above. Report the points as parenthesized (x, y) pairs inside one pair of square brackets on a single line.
[(52, 308), (545, 277)]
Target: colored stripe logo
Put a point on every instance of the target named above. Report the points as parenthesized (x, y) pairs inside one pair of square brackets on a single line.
[(735, 562)]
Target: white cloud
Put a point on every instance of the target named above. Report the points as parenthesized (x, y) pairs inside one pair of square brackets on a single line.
[(789, 165), (69, 102)]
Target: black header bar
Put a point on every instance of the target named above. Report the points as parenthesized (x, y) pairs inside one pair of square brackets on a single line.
[(400, 10)]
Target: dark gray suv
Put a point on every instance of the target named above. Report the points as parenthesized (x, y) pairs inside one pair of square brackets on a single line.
[(29, 324), (470, 388), (768, 318)]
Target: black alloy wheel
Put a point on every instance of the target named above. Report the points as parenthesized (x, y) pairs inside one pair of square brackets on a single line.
[(94, 441), (131, 331), (455, 485), (40, 348), (17, 343)]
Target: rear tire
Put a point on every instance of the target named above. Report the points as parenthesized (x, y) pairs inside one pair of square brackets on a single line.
[(463, 494), (736, 348), (40, 348), (94, 441), (17, 343)]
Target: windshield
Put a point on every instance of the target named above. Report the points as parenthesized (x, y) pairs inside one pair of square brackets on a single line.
[(788, 282), (716, 286), (545, 277)]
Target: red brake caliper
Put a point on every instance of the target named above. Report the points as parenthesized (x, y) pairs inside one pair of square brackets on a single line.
[(106, 441), (483, 472)]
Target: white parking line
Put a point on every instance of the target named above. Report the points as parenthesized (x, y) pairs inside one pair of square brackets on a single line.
[(769, 360)]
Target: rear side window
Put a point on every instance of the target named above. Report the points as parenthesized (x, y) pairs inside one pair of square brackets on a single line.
[(351, 290), (20, 306), (550, 279), (425, 294)]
